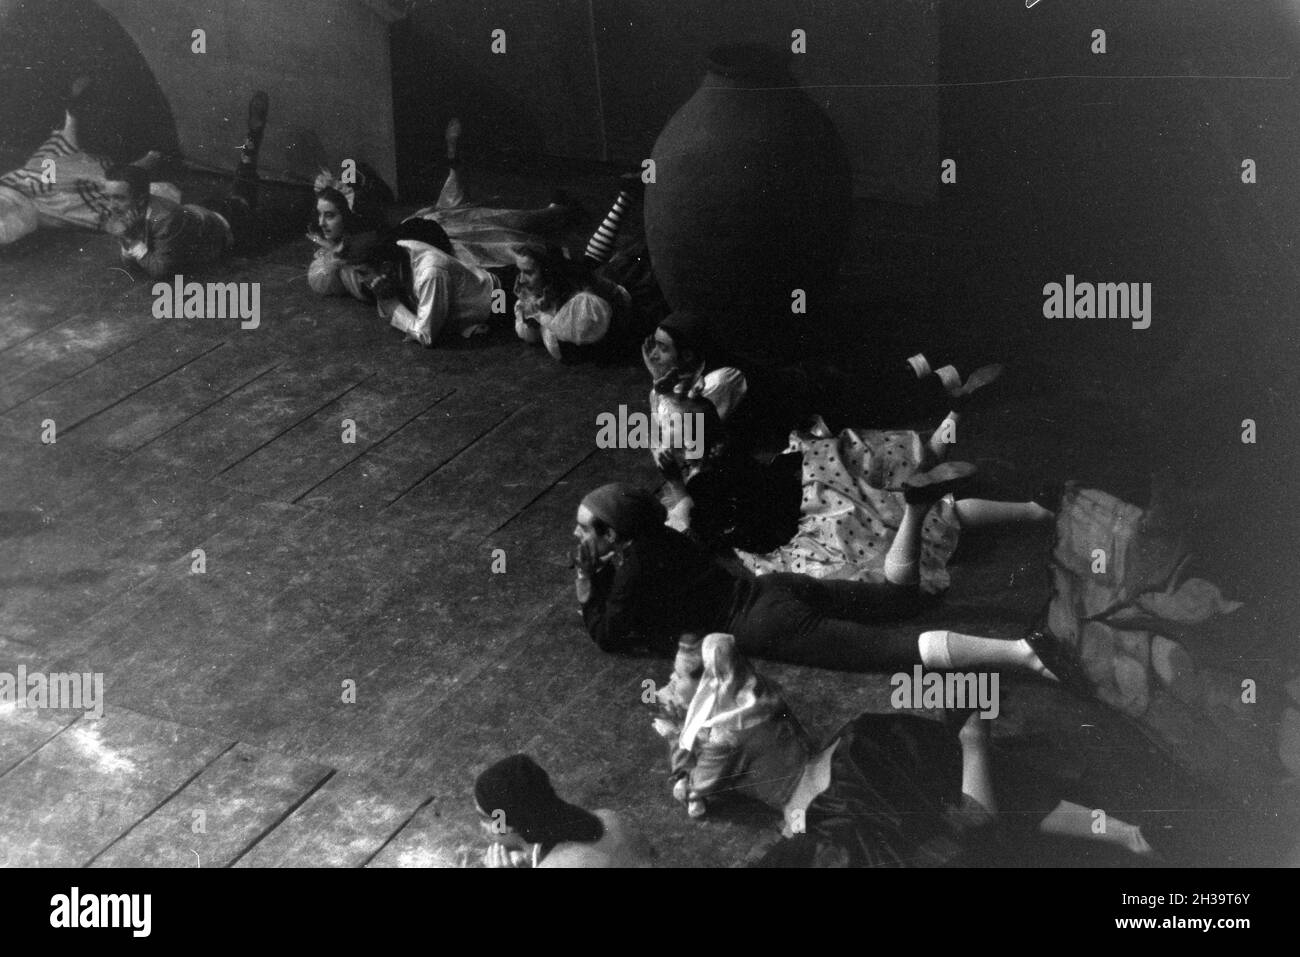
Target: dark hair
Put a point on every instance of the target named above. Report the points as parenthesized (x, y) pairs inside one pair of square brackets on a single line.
[(518, 787), (135, 177), (351, 223), (561, 277)]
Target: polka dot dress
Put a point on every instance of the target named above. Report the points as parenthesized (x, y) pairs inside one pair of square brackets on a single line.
[(848, 520)]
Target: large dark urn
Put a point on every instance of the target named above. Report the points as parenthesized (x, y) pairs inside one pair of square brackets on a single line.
[(750, 203)]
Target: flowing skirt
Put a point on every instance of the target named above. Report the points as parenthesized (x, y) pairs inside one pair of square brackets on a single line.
[(847, 518)]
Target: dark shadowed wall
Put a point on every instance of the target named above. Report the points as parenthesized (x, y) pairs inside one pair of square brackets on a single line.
[(598, 80)]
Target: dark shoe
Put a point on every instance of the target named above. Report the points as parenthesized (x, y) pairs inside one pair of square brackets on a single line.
[(81, 87), (981, 377), (923, 488), (258, 107), (1060, 660), (1049, 496), (632, 183)]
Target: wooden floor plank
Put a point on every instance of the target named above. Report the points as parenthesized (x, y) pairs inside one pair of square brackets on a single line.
[(313, 451), (106, 383), (65, 350), (499, 476), (544, 530), (233, 802), (102, 546), (343, 824), (23, 730), (242, 422), (165, 404), (364, 487), (75, 795)]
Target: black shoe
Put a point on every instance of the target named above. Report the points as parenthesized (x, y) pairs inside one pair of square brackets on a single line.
[(1062, 661), (258, 107), (81, 88), (924, 488), (1049, 496)]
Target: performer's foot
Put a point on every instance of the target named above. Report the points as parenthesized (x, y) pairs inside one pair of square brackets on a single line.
[(77, 92), (149, 160), (452, 136), (981, 377), (924, 488), (632, 182), (258, 107)]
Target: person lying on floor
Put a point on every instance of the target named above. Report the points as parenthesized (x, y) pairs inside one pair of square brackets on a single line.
[(828, 506), (567, 307), (530, 826), (446, 266), (887, 790), (61, 185), (163, 237), (641, 584), (688, 374)]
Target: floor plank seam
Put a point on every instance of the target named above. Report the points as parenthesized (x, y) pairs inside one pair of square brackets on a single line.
[(216, 401), (50, 362), (400, 828), (82, 421), (533, 501), (289, 811), (297, 422), (161, 804), (34, 750), (458, 453), (372, 447)]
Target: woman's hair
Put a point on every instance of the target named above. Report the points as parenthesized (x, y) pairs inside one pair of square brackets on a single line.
[(518, 787), (351, 223), (561, 277), (689, 333)]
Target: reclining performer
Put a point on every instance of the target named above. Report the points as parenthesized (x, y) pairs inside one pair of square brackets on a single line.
[(529, 825), (163, 237), (61, 185), (567, 307), (828, 506), (440, 267), (888, 790), (642, 584)]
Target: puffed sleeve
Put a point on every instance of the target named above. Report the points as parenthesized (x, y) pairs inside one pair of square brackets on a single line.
[(724, 387)]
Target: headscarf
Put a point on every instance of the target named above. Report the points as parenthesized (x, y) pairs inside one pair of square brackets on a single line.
[(739, 735), (521, 789), (731, 696), (689, 331), (628, 510)]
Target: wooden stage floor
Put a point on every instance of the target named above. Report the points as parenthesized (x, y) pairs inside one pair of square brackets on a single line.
[(329, 563)]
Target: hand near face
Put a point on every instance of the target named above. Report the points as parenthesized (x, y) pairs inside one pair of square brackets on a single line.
[(324, 243), (657, 367), (127, 225), (669, 466)]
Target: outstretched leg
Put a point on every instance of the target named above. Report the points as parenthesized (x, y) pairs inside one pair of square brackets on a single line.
[(982, 513), (1073, 820)]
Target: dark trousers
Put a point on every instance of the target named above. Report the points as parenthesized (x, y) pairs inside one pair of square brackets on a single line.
[(239, 206), (806, 621)]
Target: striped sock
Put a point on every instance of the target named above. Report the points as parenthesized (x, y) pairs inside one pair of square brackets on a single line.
[(601, 245)]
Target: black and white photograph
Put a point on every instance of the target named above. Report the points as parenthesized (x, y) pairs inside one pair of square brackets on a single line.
[(474, 434)]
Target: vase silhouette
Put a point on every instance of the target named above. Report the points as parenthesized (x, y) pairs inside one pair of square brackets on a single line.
[(750, 206)]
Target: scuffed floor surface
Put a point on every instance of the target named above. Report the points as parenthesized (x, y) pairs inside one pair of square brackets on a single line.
[(333, 570)]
